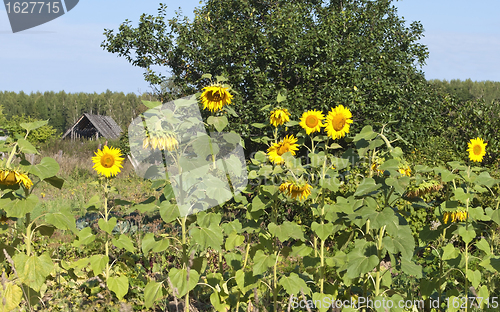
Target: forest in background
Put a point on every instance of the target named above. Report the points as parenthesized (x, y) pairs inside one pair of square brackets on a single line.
[(63, 109), (467, 90)]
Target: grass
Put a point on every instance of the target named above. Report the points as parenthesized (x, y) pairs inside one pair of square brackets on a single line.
[(80, 180)]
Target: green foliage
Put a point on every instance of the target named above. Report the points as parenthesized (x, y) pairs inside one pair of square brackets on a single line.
[(468, 90), (36, 136), (355, 53)]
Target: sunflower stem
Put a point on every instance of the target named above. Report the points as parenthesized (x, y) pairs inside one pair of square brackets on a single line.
[(11, 156), (106, 216)]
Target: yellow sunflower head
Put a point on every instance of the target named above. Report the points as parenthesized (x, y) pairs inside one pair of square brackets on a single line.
[(312, 121), (279, 116), (477, 149), (15, 176), (288, 144), (108, 161), (338, 121), (214, 97), (296, 190)]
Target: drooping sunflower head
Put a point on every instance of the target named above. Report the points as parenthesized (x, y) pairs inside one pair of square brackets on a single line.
[(405, 170), (288, 144), (338, 122), (477, 149), (455, 216), (279, 116), (215, 96), (296, 190), (15, 176), (312, 121), (167, 141), (108, 161)]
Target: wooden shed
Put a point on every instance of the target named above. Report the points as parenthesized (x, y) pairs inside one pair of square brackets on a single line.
[(94, 126)]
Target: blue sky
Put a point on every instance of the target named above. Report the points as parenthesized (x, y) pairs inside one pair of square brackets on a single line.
[(65, 54)]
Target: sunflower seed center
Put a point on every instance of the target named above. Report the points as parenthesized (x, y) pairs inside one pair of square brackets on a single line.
[(107, 161), (477, 150), (338, 122), (311, 121)]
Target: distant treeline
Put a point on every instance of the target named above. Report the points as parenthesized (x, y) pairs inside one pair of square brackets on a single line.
[(466, 90), (63, 109)]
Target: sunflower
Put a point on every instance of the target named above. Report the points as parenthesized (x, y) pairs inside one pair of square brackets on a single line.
[(108, 161), (279, 116), (277, 149), (295, 190), (214, 97), (167, 141), (337, 122), (405, 170), (455, 216), (13, 177), (312, 121), (477, 149)]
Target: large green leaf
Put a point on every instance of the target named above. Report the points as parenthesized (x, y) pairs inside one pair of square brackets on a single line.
[(400, 241), (322, 230), (366, 187), (450, 252), (262, 262), (63, 220), (18, 208), (246, 281), (10, 296), (286, 231), (366, 133), (107, 226), (362, 259), (474, 277), (169, 212), (208, 237), (85, 236), (294, 285), (183, 282), (152, 292), (124, 242), (30, 126), (55, 182), (26, 147), (218, 122), (467, 234), (118, 285), (411, 268), (324, 300), (205, 219), (150, 243), (217, 189), (234, 240), (399, 183), (47, 168), (98, 263), (32, 270)]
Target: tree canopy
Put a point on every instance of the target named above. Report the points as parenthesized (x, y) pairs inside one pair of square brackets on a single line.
[(358, 53)]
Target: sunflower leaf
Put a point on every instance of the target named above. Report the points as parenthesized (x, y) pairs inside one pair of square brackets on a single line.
[(33, 125), (218, 122)]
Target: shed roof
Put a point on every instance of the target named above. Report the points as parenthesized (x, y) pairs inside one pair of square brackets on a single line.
[(88, 125)]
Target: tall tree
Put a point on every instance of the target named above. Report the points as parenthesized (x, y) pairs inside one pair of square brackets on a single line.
[(358, 53)]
